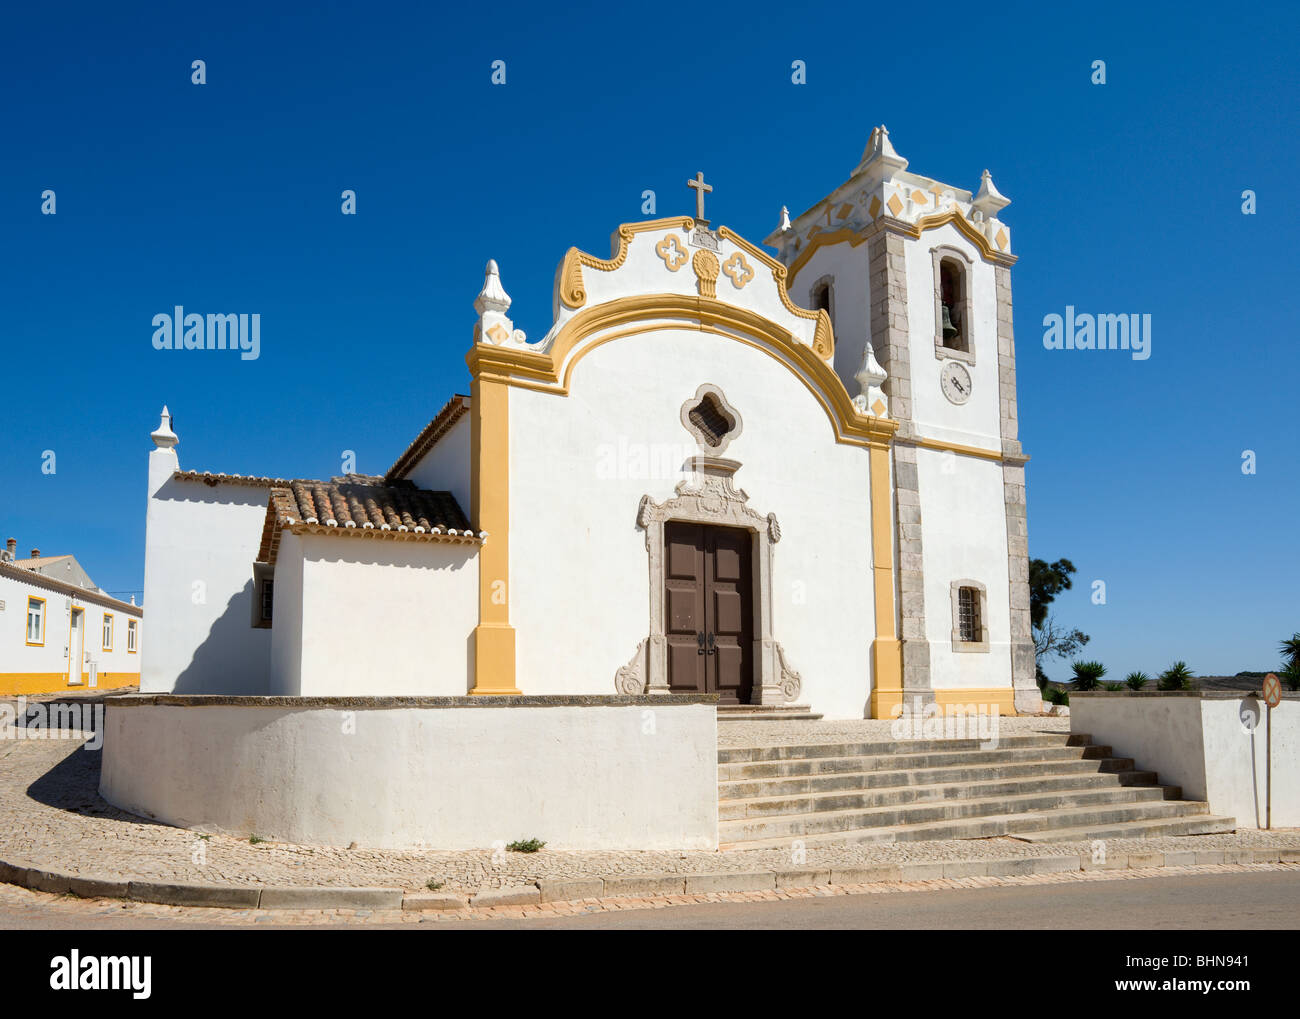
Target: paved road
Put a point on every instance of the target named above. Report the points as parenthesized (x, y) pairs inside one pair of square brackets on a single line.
[(1251, 901)]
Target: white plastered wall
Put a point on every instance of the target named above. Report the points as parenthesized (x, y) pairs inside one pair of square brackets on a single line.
[(363, 617), (577, 777), (446, 467), (200, 544), (579, 566), (964, 537)]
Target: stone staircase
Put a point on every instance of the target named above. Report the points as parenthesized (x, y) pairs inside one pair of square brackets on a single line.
[(1045, 787)]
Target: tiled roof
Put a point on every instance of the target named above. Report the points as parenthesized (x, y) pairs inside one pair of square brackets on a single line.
[(235, 479), (451, 412), (363, 506), (31, 564)]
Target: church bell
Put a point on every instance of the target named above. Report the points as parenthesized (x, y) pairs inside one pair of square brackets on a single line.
[(949, 330)]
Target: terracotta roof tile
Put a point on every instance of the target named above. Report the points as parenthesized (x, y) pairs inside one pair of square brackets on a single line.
[(356, 505)]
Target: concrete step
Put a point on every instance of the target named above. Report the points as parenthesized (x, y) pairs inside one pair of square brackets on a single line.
[(803, 751), (1195, 824), (943, 792), (905, 762), (796, 785), (766, 713), (975, 818), (1145, 819)]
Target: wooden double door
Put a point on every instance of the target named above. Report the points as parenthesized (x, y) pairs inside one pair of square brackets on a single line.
[(709, 602)]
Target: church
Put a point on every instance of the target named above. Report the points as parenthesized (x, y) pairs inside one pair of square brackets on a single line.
[(790, 479)]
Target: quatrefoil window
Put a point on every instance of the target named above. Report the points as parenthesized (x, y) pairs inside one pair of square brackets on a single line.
[(710, 418)]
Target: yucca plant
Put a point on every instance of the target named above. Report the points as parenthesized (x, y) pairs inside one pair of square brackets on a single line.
[(1290, 675), (1113, 687), (1136, 680), (1087, 675), (1177, 677)]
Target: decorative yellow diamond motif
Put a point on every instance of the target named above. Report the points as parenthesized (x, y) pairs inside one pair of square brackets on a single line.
[(874, 207), (499, 333), (1001, 238), (671, 251), (919, 197), (845, 209), (878, 408), (894, 205)]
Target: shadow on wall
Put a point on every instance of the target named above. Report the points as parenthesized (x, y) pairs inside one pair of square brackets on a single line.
[(220, 663), (217, 524)]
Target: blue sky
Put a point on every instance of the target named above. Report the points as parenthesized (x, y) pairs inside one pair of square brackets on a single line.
[(1126, 197)]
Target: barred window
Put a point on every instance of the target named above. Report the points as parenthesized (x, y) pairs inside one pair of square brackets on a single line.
[(268, 598), (968, 613)]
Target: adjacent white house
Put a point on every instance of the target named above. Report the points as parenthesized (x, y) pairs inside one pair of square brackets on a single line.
[(789, 479), (59, 632)]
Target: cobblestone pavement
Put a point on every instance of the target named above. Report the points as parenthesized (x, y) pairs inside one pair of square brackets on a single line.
[(51, 816), (746, 733), (22, 908)]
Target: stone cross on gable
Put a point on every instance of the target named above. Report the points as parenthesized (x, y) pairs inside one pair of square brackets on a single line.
[(701, 189)]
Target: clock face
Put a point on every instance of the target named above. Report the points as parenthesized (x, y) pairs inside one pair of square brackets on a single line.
[(954, 380)]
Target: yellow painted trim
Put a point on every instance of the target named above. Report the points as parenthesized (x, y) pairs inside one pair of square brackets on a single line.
[(1003, 698), (109, 646), (573, 292), (541, 370), (13, 684), (912, 231), (44, 608), (494, 637), (886, 649)]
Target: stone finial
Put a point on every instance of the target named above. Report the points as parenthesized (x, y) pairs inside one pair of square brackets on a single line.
[(164, 437), (989, 200), (871, 378), (880, 153), (492, 303), (493, 296), (784, 225)]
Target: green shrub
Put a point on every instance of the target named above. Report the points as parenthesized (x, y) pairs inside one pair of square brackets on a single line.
[(1055, 695), (1177, 677), (525, 846), (1136, 680), (1113, 687), (432, 885), (1290, 675), (1087, 675)]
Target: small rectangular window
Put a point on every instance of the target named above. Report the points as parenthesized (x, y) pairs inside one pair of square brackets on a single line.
[(968, 608), (268, 598), (130, 636), (108, 631), (35, 620)]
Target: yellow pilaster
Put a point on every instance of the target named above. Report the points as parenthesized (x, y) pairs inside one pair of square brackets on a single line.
[(886, 649), (494, 637)]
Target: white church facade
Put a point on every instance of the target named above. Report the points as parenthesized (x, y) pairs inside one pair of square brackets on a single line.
[(780, 479)]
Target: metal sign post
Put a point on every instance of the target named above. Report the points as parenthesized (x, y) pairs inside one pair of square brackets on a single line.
[(1272, 697)]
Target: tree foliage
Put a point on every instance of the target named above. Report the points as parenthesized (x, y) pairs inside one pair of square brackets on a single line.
[(1046, 581)]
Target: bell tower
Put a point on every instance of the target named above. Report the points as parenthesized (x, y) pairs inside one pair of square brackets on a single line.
[(916, 277)]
